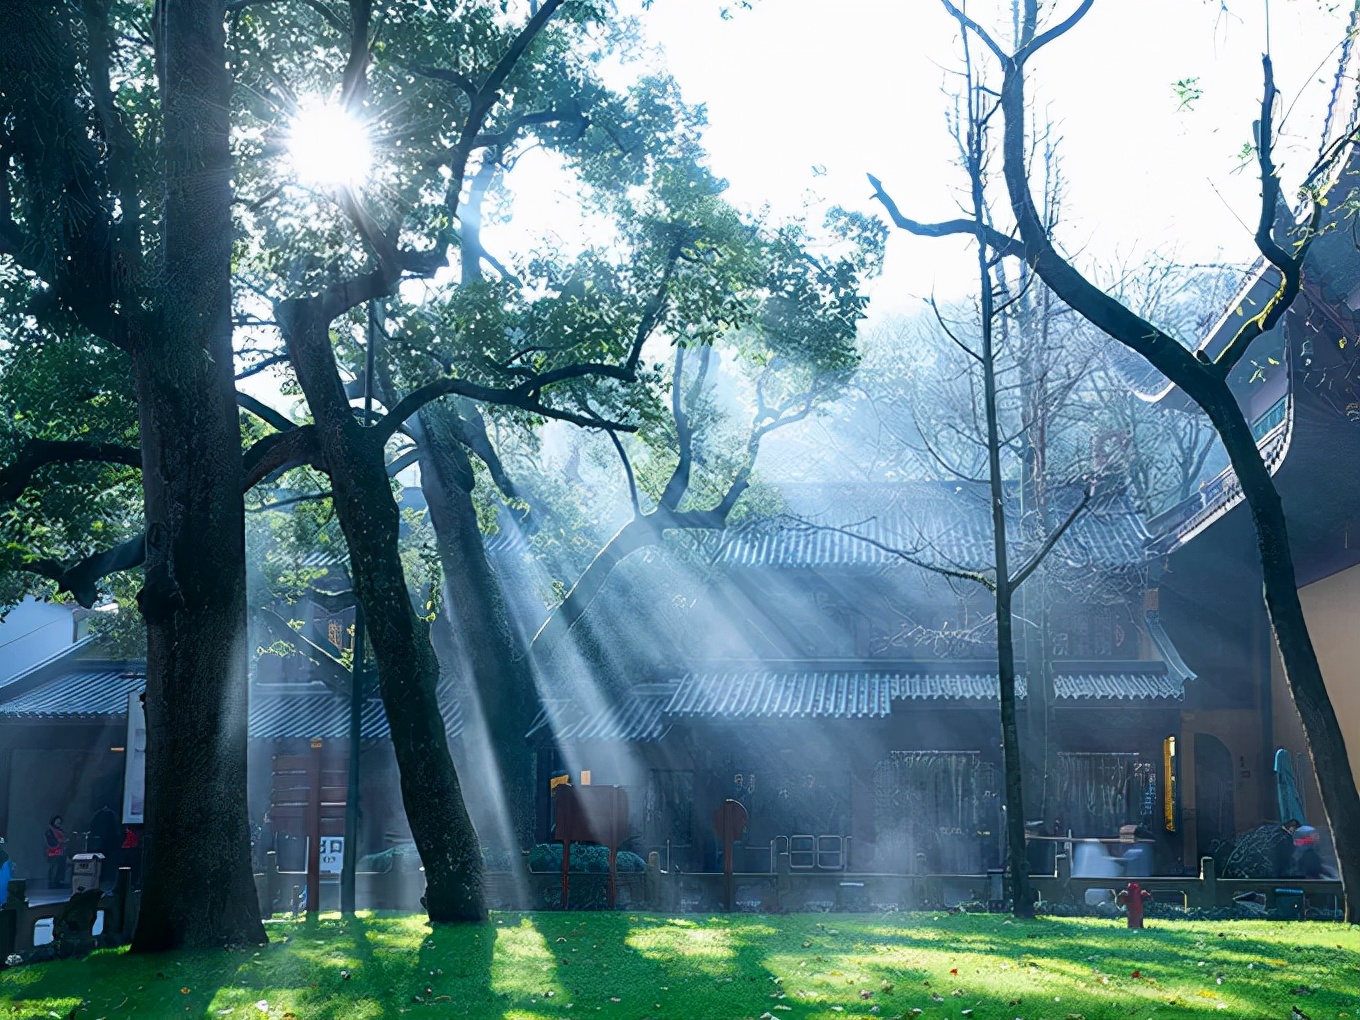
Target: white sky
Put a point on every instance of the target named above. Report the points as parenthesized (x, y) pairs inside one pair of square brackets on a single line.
[(856, 87)]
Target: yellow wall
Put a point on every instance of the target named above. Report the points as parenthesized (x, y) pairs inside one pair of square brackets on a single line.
[(1240, 732), (1332, 607)]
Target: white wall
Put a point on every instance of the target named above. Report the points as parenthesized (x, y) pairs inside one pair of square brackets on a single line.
[(33, 631)]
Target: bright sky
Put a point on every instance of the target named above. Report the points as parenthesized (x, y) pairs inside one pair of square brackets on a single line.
[(857, 86)]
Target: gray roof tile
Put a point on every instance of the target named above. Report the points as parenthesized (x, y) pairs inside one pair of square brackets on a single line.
[(846, 695), (638, 719), (943, 523), (277, 711)]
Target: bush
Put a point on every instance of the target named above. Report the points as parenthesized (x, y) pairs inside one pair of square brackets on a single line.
[(585, 859), (403, 857)]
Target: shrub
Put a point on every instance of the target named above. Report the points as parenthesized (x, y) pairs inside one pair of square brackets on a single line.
[(585, 859)]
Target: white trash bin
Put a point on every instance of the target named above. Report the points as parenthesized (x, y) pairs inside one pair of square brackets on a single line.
[(86, 870)]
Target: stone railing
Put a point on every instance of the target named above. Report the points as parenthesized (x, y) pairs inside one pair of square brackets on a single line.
[(86, 921)]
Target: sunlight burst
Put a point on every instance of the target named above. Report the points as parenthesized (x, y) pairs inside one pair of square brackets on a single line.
[(328, 146)]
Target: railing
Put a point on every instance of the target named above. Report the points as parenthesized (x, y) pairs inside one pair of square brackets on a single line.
[(79, 924), (281, 892), (86, 922), (786, 889)]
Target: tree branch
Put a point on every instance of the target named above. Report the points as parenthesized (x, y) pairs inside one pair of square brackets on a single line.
[(260, 366), (1022, 575), (264, 412), (1001, 243), (627, 471), (389, 423), (275, 452), (36, 454), (280, 452), (1290, 266), (444, 74), (959, 574)]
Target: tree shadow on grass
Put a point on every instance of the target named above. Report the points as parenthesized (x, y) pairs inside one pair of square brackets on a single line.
[(329, 969)]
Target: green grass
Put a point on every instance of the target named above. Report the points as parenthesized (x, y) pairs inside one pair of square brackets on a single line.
[(634, 966)]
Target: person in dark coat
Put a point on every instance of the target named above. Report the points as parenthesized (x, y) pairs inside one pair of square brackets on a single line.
[(106, 834), (1309, 863), (54, 843)]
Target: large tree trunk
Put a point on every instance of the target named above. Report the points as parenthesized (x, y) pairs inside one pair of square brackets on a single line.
[(408, 672), (198, 890), (491, 648), (1322, 731)]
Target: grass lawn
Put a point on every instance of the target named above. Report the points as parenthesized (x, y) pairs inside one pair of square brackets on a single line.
[(615, 966)]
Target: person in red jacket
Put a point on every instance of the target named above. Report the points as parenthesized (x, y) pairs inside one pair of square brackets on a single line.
[(55, 839)]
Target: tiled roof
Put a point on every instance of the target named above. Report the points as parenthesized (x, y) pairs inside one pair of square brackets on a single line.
[(276, 710), (638, 719), (1119, 686), (312, 710), (91, 693), (941, 523), (769, 694)]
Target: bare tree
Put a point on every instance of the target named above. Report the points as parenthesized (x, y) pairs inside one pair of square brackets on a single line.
[(1202, 377)]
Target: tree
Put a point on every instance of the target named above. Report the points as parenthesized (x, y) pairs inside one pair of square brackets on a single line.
[(504, 82), (1203, 378), (116, 217), (792, 325)]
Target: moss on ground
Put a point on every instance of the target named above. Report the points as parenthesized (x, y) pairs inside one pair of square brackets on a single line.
[(634, 966)]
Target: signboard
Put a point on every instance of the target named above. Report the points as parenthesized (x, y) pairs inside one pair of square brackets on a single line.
[(332, 854), (134, 763)]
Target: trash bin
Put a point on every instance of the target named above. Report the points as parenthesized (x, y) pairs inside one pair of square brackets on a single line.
[(86, 870), (1289, 904)]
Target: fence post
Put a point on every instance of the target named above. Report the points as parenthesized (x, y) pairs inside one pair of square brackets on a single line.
[(313, 879), (1062, 875), (116, 918), (271, 883), (1208, 882), (9, 931)]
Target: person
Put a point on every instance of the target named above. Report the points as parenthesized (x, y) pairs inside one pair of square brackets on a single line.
[(1282, 850), (1309, 863), (6, 872), (105, 832), (130, 854), (55, 840)]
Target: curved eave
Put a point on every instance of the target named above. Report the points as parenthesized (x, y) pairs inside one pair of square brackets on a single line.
[(1262, 282)]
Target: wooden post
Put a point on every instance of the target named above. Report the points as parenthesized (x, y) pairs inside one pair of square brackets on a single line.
[(271, 883), (1208, 882), (314, 830), (116, 927), (729, 822), (566, 863), (613, 889)]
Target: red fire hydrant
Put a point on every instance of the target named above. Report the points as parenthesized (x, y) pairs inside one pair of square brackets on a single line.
[(1134, 897)]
